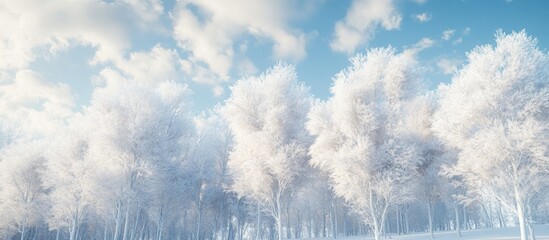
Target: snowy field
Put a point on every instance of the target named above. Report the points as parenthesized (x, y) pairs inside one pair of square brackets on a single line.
[(512, 233)]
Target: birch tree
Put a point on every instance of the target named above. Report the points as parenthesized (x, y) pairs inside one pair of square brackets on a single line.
[(496, 112), (22, 196), (359, 138), (267, 116)]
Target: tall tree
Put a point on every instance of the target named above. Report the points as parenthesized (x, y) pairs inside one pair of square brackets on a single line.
[(267, 116), (67, 180), (359, 134), (496, 112), (22, 197), (139, 137)]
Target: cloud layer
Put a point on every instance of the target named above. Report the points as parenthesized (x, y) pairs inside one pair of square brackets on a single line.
[(359, 25), (210, 33)]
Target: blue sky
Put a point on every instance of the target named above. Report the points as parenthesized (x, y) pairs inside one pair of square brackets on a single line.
[(56, 53)]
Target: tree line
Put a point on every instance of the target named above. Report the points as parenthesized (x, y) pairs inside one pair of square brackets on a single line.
[(381, 156)]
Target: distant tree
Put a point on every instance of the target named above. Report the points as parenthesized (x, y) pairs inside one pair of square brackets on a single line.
[(210, 171), (267, 116), (138, 140), (360, 139), (496, 112), (67, 180), (419, 112), (22, 197)]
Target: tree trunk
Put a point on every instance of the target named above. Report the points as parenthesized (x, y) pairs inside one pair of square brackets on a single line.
[(500, 217), (465, 218), (258, 224), (73, 229), (456, 211), (279, 217), (323, 223), (118, 219), (430, 213), (199, 220), (223, 216), (334, 219), (531, 232), (288, 229), (23, 229), (398, 219), (238, 220), (406, 222), (520, 213), (135, 223), (160, 228), (376, 227), (126, 221)]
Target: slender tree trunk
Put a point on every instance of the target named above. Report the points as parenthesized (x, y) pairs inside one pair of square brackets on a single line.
[(406, 222), (160, 228), (118, 219), (279, 217), (57, 235), (126, 221), (105, 232), (520, 213), (465, 218), (456, 211), (258, 224), (531, 232), (199, 220), (324, 223), (430, 213), (377, 228), (223, 216), (334, 219), (398, 219), (288, 229), (502, 223), (23, 229), (345, 222), (135, 223), (238, 219), (73, 229), (77, 232)]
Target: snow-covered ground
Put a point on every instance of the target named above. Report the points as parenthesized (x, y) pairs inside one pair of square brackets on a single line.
[(512, 233)]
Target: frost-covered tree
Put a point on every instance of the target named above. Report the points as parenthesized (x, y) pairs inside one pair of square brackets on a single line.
[(496, 112), (138, 140), (22, 196), (67, 179), (210, 171), (359, 134), (267, 116), (418, 129)]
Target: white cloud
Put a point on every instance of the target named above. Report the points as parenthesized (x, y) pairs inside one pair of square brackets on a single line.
[(34, 104), (466, 31), (158, 64), (210, 30), (360, 23), (421, 45), (448, 33), (33, 28), (148, 68), (423, 17), (424, 43), (448, 66)]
